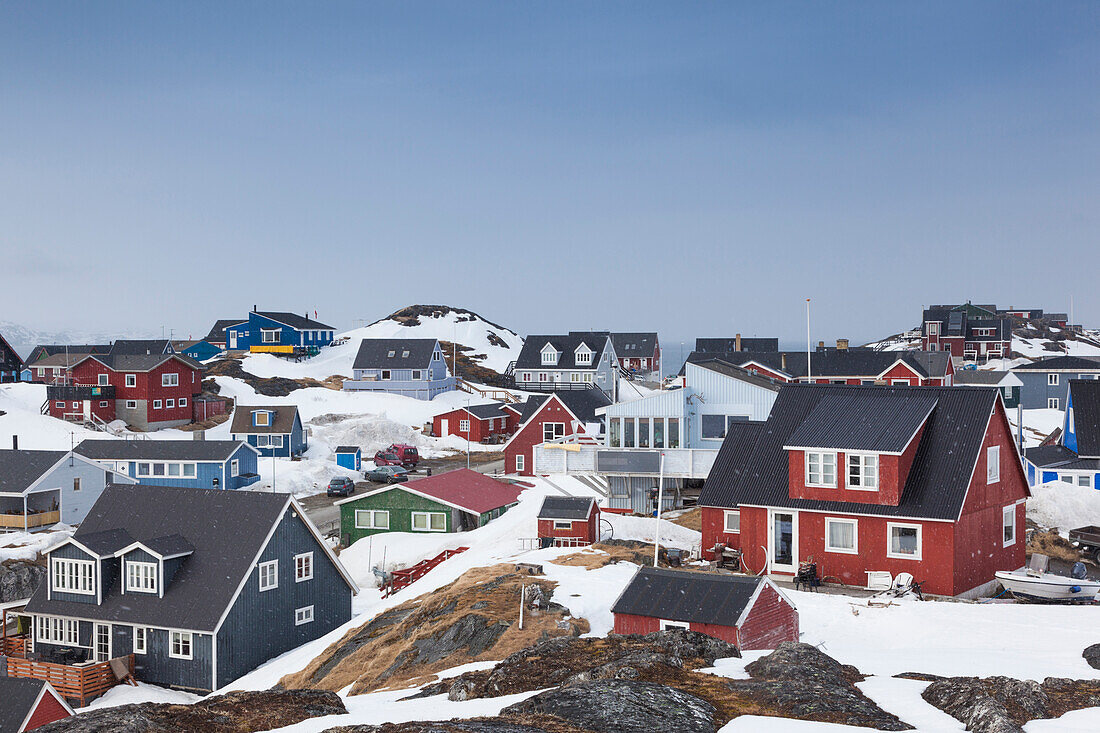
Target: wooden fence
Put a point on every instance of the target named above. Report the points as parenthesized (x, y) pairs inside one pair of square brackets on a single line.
[(402, 578), (79, 683)]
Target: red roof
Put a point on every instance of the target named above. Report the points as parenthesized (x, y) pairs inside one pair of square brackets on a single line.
[(475, 492)]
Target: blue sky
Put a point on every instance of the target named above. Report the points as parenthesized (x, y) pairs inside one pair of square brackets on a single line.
[(695, 168)]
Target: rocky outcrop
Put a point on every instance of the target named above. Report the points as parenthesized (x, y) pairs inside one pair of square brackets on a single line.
[(19, 579), (1005, 705), (1092, 655), (236, 712)]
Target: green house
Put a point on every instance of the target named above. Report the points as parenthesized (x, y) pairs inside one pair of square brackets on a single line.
[(455, 501)]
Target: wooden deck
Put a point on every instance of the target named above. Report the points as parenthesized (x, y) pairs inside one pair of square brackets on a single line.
[(79, 683), (34, 519), (14, 646)]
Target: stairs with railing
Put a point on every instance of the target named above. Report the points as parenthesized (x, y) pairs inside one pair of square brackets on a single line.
[(501, 395)]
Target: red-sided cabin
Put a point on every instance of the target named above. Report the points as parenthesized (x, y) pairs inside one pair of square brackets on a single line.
[(568, 520), (28, 704), (747, 611), (479, 423), (920, 480), (550, 417)]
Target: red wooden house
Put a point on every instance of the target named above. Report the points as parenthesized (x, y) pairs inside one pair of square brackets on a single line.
[(478, 423), (747, 611), (568, 521), (26, 704), (638, 353), (922, 480), (548, 417)]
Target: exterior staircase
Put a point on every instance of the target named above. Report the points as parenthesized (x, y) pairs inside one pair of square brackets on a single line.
[(501, 395)]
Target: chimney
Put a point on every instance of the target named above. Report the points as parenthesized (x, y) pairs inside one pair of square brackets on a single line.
[(737, 342), (254, 307), (783, 360), (15, 442), (842, 344)]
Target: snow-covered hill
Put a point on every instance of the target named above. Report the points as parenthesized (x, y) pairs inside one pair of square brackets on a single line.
[(1031, 341)]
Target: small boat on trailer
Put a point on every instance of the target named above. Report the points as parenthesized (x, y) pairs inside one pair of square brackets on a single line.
[(1034, 583)]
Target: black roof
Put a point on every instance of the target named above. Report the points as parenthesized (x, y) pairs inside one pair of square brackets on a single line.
[(294, 320), (18, 694), (530, 356), (44, 350), (986, 377), (583, 403), (217, 331), (21, 468), (864, 420), (170, 545), (688, 595), (1058, 456), (159, 450), (753, 343), (226, 528), (395, 353), (565, 507), (485, 412), (142, 362), (857, 362), (347, 448), (634, 344), (1072, 363), (531, 406), (142, 346), (937, 482), (282, 421), (717, 364), (1085, 397)]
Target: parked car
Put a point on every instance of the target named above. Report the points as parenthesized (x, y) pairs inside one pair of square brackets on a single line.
[(406, 456), (387, 475), (341, 487), (384, 458)]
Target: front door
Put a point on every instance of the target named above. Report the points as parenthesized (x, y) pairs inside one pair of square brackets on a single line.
[(102, 642), (88, 410), (233, 339), (443, 427), (782, 541)]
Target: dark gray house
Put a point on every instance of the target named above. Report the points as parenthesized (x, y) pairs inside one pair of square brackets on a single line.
[(201, 586), (1046, 382)]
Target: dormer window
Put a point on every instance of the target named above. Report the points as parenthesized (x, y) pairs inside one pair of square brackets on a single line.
[(862, 471), (261, 418), (74, 576), (549, 355), (141, 577), (821, 469), (583, 355)]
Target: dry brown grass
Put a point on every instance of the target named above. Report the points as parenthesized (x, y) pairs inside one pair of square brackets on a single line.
[(1053, 545), (495, 591), (692, 519)]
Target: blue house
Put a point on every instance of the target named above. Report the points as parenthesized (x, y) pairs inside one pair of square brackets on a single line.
[(198, 350), (200, 586), (281, 333), (274, 430), (194, 464), (349, 456), (1075, 459), (1046, 382), (410, 367)]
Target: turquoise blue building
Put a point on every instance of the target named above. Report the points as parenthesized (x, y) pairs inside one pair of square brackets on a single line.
[(198, 350), (349, 456)]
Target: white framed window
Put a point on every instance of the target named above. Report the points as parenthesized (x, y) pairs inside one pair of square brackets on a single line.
[(156, 404), (563, 524), (519, 463), (1008, 525), (429, 522), (1053, 403), (552, 430), (464, 426), (74, 576), (933, 329), (189, 470), (821, 469), (903, 541), (666, 625), (235, 467), (59, 405), (141, 639), (303, 567), (183, 402), (303, 615), (76, 405), (269, 575), (53, 630), (385, 375), (372, 519), (584, 357), (262, 419), (170, 403), (275, 441), (269, 335), (104, 403), (145, 469), (1052, 380), (131, 404), (171, 379), (76, 483), (731, 521), (549, 356), (862, 471), (179, 646), (417, 374), (993, 464), (141, 576), (103, 379), (841, 535), (131, 380)]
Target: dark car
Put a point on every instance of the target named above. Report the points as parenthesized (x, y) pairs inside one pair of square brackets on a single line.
[(341, 487), (387, 475)]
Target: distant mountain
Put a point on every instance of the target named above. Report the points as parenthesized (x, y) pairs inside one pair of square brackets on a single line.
[(24, 339)]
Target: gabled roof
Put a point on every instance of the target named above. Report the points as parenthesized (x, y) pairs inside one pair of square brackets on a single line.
[(21, 468), (217, 331), (689, 596), (857, 362), (937, 482), (530, 356), (348, 449), (282, 421), (295, 321), (134, 347), (754, 343), (583, 403), (21, 696), (50, 349), (864, 420), (566, 507), (1085, 398), (227, 530), (463, 489), (121, 362), (1058, 456), (395, 353), (485, 412), (986, 377), (721, 366), (634, 344), (1061, 363), (159, 450)]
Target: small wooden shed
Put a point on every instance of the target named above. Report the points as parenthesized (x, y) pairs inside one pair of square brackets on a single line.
[(349, 456), (568, 520), (748, 611)]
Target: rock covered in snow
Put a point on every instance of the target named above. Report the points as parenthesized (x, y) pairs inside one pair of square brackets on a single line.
[(19, 579), (1005, 705), (1092, 655)]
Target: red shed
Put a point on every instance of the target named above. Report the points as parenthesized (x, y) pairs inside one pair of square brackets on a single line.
[(569, 520), (478, 423), (29, 704), (748, 611)]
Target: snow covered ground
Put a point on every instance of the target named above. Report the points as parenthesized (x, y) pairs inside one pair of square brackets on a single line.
[(1062, 505), (27, 545)]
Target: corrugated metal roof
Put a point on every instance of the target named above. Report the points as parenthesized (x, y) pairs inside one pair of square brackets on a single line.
[(864, 420), (282, 422), (1085, 398), (530, 356), (159, 450), (565, 507), (395, 353), (687, 595), (21, 468)]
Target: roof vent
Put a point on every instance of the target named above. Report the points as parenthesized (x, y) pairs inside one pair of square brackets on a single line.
[(391, 354)]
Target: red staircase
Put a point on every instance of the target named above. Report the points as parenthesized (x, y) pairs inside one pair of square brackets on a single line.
[(402, 578)]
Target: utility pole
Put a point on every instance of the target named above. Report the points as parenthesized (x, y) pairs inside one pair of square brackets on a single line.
[(809, 371), (660, 499)]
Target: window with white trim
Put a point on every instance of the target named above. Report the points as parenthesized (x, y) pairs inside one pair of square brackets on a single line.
[(519, 463), (261, 418), (235, 467), (303, 615), (862, 471), (179, 646), (821, 469), (993, 464), (563, 524), (385, 374), (141, 576), (1052, 380), (417, 374), (731, 521), (552, 430), (183, 402), (666, 625), (549, 356), (74, 576), (903, 541), (841, 536), (372, 519), (269, 575), (463, 426), (303, 567), (429, 522), (103, 379), (53, 630), (170, 403), (156, 404), (59, 405), (141, 639), (1008, 525), (131, 404), (171, 379), (1053, 403), (584, 357), (131, 380), (269, 335)]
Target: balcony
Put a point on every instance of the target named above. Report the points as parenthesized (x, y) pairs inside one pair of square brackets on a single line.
[(30, 520), (76, 392), (80, 682), (557, 457)]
